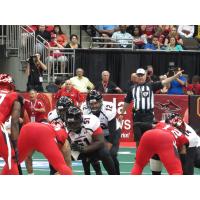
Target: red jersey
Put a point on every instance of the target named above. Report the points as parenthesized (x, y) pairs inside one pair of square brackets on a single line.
[(195, 88), (180, 138), (74, 94), (35, 115), (7, 99)]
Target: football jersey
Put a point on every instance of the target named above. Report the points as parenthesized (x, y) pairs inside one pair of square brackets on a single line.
[(90, 127), (107, 113), (179, 137), (191, 135), (7, 99)]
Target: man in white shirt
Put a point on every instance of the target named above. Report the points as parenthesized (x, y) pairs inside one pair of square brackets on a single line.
[(81, 82)]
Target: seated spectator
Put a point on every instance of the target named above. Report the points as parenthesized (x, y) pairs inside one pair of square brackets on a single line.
[(61, 38), (151, 77), (81, 82), (186, 31), (73, 44), (130, 83), (148, 31), (154, 45), (69, 91), (106, 30), (138, 40), (177, 86), (107, 86), (45, 35), (159, 33), (165, 88), (49, 28), (194, 87), (55, 55), (173, 33), (173, 46), (54, 87), (123, 38)]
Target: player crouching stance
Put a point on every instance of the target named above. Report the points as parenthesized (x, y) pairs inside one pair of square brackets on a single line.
[(87, 139), (46, 139), (164, 141)]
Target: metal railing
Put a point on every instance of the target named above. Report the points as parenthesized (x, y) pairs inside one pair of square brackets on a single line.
[(107, 42), (12, 37), (2, 34), (26, 42), (60, 62)]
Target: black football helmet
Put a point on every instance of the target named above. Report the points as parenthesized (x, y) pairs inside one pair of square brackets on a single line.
[(73, 119), (175, 120), (62, 105), (94, 101)]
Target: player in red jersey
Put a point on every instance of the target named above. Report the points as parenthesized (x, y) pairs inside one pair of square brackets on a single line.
[(164, 141), (47, 139), (10, 105)]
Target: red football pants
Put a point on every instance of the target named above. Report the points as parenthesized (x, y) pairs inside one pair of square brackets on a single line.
[(40, 137), (157, 142), (4, 155)]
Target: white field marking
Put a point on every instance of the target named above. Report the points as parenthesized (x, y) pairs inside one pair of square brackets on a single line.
[(125, 153)]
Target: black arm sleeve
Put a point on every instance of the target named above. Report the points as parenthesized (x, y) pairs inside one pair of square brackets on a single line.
[(113, 132), (129, 96)]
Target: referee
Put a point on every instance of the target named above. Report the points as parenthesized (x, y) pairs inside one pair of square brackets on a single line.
[(142, 94)]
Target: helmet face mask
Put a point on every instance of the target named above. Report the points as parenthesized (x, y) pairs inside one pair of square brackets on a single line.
[(62, 105), (176, 120), (73, 119), (94, 101)]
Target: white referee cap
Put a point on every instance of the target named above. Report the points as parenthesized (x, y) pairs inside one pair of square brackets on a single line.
[(140, 71)]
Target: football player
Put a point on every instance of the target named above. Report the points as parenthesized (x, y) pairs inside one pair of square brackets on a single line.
[(106, 112), (10, 105), (87, 139)]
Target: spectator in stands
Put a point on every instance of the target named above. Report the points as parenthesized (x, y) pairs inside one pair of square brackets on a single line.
[(177, 85), (73, 44), (165, 88), (154, 45), (69, 91), (186, 31), (40, 43), (194, 87), (106, 30), (55, 55), (138, 40), (54, 87), (49, 28), (148, 31), (34, 71), (130, 83), (107, 86), (61, 38), (173, 33), (172, 45), (81, 82), (123, 38), (150, 76)]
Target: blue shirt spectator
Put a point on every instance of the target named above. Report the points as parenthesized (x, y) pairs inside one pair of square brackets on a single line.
[(177, 86)]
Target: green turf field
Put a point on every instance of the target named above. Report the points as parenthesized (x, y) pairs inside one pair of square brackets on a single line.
[(125, 155)]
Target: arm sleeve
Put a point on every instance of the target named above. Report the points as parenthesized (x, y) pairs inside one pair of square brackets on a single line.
[(129, 96)]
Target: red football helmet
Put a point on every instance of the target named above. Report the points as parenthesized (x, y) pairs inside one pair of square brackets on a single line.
[(177, 121), (6, 81)]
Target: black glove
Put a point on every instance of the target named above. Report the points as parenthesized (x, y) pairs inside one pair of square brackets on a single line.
[(77, 147)]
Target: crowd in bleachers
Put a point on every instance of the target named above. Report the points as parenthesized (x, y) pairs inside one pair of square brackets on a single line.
[(150, 37)]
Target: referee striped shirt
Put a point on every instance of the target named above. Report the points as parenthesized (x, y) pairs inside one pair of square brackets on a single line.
[(142, 95)]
